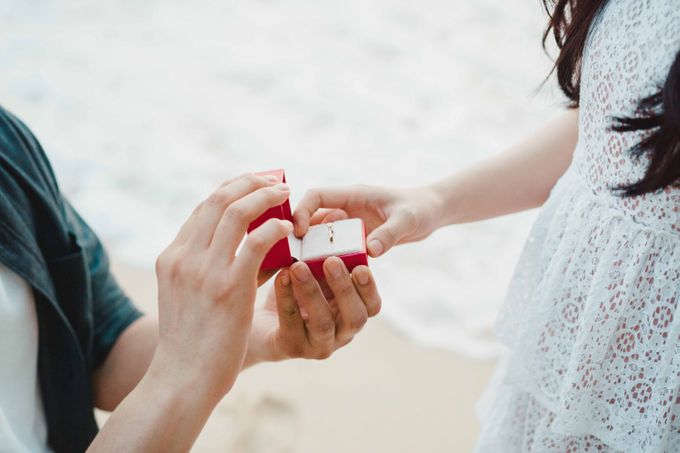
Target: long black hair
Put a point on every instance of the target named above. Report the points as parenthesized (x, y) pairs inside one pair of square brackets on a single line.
[(659, 114)]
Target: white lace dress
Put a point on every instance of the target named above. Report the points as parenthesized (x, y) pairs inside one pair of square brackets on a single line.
[(592, 318)]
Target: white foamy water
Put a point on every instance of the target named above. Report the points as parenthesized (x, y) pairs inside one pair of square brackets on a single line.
[(145, 106)]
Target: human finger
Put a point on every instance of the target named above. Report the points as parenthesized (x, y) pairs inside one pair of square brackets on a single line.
[(387, 235), (315, 199), (258, 243), (352, 311), (235, 219), (367, 289), (214, 206), (291, 324), (320, 323)]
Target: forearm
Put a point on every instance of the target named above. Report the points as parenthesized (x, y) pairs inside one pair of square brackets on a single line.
[(160, 414), (517, 179), (126, 364)]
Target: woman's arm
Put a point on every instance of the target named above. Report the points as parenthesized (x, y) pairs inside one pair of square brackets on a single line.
[(517, 179)]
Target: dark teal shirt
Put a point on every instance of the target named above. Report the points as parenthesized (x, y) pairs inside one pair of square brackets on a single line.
[(81, 309)]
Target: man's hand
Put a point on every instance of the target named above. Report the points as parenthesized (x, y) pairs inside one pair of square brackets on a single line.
[(206, 295), (298, 321)]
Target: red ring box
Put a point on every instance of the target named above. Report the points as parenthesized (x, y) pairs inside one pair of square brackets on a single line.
[(345, 239)]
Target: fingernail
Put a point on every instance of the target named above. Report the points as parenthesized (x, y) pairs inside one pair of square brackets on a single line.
[(375, 247), (301, 273), (362, 277), (282, 187), (271, 179), (285, 278), (334, 267)]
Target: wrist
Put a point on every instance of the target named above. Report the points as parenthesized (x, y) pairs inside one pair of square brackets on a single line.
[(182, 384), (162, 413), (262, 347), (444, 202), (434, 205)]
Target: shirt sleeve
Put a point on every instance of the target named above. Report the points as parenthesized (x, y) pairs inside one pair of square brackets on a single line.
[(112, 310)]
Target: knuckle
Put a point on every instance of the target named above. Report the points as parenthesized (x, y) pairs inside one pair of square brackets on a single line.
[(290, 311), (218, 289), (197, 209), (274, 225), (273, 195), (410, 216), (236, 212), (375, 308), (218, 198), (323, 354), (345, 342), (232, 180), (253, 181), (326, 328), (163, 262), (295, 349), (389, 234), (184, 269), (171, 267), (357, 322), (359, 193), (309, 289), (257, 242), (344, 289)]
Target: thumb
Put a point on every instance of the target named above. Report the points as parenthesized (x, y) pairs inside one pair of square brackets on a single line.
[(259, 242), (385, 236)]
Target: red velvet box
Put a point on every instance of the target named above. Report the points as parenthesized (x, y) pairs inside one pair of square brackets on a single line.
[(345, 239)]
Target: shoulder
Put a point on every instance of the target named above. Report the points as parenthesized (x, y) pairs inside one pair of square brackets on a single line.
[(23, 159)]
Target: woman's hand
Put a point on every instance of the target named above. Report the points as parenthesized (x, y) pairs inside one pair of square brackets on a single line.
[(298, 321), (206, 292), (517, 179), (391, 216)]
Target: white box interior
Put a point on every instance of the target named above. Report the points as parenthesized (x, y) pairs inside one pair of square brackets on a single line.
[(348, 237)]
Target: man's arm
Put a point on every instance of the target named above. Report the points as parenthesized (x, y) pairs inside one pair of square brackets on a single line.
[(206, 294), (126, 364)]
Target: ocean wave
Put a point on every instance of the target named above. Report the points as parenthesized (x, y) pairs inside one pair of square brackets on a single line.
[(144, 107)]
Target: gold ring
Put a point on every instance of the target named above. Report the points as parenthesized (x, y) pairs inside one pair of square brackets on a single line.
[(330, 232)]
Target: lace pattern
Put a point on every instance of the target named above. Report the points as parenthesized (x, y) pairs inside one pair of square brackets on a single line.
[(591, 315)]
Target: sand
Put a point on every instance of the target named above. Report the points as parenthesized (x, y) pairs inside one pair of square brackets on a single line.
[(381, 393)]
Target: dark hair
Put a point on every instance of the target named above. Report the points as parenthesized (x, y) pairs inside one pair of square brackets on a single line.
[(659, 114)]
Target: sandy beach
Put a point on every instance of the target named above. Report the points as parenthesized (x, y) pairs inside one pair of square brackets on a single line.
[(382, 393)]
